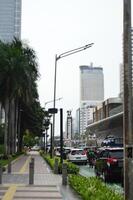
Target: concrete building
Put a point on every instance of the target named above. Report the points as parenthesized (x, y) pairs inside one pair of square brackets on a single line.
[(10, 20), (91, 93), (107, 120), (86, 114), (91, 83), (69, 125)]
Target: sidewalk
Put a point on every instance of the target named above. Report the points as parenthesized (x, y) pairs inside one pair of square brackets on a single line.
[(46, 184)]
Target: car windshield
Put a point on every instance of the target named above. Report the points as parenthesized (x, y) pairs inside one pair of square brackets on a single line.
[(77, 152), (116, 154)]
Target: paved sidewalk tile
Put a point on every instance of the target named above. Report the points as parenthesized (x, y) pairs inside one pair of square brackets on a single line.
[(46, 186), (3, 190), (38, 192), (15, 179), (17, 165)]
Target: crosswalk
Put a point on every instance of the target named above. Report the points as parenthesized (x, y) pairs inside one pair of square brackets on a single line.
[(47, 192)]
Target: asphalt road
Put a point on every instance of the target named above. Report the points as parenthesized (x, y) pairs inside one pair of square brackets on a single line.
[(86, 170)]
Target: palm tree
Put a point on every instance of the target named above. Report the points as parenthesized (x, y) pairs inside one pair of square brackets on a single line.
[(18, 75)]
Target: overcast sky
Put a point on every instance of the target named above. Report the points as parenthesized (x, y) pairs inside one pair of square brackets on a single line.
[(55, 26)]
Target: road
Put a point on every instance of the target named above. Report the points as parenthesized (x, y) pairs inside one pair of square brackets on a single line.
[(87, 171)]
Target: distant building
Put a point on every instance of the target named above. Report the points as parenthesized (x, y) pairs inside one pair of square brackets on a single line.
[(91, 83), (69, 125), (10, 20), (86, 115), (74, 128), (77, 121), (91, 93), (107, 119), (107, 108)]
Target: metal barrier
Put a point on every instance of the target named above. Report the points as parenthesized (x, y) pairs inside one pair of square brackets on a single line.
[(31, 172), (56, 166), (64, 174), (1, 171), (9, 167)]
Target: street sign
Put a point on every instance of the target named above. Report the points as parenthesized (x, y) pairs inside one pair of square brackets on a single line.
[(52, 110)]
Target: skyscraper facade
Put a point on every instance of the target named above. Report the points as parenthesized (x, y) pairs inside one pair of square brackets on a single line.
[(10, 20), (91, 83), (91, 93)]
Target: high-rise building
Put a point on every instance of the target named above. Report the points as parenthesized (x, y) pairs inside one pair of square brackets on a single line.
[(91, 93), (10, 20), (91, 83)]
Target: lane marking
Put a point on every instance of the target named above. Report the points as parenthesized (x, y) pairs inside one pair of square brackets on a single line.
[(10, 193), (23, 169)]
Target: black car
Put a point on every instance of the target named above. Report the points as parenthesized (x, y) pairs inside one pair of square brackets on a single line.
[(109, 164)]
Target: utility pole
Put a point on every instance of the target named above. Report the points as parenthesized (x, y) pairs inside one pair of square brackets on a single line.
[(128, 119)]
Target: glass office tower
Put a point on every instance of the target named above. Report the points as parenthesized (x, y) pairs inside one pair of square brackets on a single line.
[(10, 19)]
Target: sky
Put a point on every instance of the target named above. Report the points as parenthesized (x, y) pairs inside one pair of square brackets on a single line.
[(55, 26)]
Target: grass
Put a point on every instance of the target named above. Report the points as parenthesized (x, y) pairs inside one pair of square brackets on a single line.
[(92, 188)]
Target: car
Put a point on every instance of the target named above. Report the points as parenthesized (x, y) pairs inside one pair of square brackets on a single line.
[(77, 156), (109, 164), (35, 148)]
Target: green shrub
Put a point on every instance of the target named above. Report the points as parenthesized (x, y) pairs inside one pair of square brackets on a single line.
[(49, 160), (92, 188), (71, 168)]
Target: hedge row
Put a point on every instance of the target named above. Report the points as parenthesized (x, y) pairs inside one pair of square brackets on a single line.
[(92, 188), (71, 168)]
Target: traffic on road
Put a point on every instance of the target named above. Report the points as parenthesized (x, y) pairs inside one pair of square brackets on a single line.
[(105, 162)]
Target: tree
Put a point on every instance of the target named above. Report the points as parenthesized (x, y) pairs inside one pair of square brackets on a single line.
[(18, 76), (28, 139)]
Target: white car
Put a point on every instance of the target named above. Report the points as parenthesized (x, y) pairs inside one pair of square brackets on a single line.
[(35, 148), (77, 156)]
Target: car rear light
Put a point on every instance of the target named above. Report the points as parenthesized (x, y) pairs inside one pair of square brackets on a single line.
[(83, 153), (111, 160)]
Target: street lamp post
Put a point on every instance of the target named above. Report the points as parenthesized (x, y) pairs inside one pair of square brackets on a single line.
[(65, 54)]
